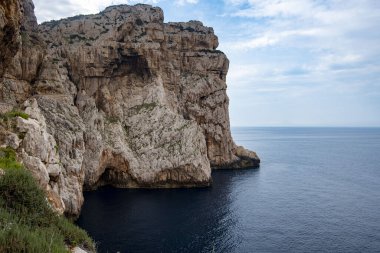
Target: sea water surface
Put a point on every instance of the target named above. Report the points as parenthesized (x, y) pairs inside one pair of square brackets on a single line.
[(317, 190)]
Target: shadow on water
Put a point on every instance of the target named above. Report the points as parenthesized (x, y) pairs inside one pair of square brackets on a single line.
[(166, 220)]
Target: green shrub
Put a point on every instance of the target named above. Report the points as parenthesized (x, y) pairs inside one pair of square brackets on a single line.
[(74, 235), (8, 159), (144, 107), (27, 223), (16, 237), (13, 114), (21, 194)]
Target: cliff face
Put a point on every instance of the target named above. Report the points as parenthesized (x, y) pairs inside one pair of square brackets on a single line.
[(117, 98)]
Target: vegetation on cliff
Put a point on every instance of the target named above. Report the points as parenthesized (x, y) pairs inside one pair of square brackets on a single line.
[(27, 222), (12, 114)]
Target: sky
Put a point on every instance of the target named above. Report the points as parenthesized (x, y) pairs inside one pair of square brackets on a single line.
[(292, 62)]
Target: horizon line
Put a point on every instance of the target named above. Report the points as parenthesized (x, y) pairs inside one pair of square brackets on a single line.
[(305, 126)]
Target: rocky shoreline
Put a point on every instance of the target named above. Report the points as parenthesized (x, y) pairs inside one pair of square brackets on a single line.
[(119, 98)]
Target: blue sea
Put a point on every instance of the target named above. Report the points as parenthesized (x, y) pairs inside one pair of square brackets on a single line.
[(317, 190)]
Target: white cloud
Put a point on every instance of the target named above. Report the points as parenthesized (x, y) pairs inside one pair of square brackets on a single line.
[(332, 60), (271, 8), (272, 38), (183, 2), (333, 35), (56, 9), (266, 40)]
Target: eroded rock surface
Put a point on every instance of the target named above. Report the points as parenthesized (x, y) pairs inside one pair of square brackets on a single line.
[(118, 98)]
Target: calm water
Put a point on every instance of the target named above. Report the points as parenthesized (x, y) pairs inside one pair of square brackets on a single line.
[(318, 190)]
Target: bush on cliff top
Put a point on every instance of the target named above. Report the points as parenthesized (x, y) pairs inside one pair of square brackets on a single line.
[(27, 223)]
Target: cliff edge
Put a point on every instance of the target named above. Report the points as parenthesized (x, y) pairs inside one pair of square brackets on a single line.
[(118, 98)]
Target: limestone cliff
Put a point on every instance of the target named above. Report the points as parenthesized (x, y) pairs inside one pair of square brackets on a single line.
[(118, 98)]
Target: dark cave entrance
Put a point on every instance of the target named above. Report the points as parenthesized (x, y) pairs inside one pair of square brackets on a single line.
[(115, 177)]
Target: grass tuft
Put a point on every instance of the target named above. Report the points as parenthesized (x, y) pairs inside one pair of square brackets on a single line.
[(8, 159), (27, 223), (13, 114)]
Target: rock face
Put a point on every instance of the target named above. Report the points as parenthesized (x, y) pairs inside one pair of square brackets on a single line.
[(118, 98)]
